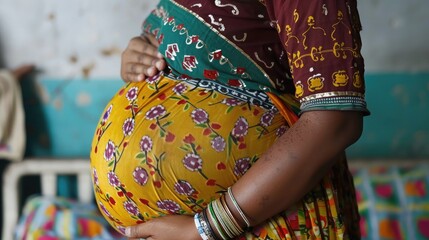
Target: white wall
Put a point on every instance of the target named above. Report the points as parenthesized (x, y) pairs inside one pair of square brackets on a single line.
[(65, 38), (68, 39), (395, 35)]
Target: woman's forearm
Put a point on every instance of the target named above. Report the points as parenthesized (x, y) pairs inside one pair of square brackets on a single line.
[(295, 163)]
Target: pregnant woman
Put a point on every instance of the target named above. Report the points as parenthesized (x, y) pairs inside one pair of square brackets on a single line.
[(242, 134)]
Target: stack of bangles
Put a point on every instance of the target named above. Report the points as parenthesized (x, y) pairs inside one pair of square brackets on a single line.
[(223, 221)]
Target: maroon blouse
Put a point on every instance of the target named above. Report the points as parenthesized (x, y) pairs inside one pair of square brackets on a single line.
[(323, 46), (307, 48)]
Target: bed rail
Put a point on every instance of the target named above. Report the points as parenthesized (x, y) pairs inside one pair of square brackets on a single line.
[(48, 169)]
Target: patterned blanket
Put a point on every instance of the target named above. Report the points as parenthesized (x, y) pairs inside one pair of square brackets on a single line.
[(393, 200), (46, 218), (393, 203)]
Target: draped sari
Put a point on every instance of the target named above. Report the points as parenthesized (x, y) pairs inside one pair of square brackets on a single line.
[(239, 74)]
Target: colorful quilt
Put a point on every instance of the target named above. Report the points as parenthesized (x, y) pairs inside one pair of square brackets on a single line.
[(393, 201), (47, 218)]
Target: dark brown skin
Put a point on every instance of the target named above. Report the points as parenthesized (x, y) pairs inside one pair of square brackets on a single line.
[(296, 162)]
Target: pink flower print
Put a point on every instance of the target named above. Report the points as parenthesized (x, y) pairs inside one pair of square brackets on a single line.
[(241, 166), (267, 119), (110, 151), (183, 187), (140, 176), (281, 130), (113, 179), (199, 116), (155, 112), (104, 210), (240, 128), (106, 114), (179, 88), (193, 162), (131, 208), (232, 102), (168, 205), (132, 94), (218, 144), (153, 79), (146, 144), (128, 126), (95, 176)]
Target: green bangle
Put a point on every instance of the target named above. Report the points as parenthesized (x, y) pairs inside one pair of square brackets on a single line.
[(215, 222)]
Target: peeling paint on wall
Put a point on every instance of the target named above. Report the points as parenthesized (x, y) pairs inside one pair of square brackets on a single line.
[(86, 70), (83, 99), (394, 34), (70, 39), (111, 51)]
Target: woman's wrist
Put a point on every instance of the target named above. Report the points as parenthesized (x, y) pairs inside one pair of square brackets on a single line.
[(217, 221), (194, 232)]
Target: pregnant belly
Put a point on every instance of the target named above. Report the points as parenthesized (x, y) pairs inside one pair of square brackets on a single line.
[(164, 146)]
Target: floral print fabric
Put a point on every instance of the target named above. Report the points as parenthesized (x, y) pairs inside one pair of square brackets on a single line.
[(166, 146)]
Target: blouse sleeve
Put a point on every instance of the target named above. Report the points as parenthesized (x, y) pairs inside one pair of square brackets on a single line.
[(322, 42)]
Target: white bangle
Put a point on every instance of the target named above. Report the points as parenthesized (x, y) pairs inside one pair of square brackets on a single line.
[(231, 196)]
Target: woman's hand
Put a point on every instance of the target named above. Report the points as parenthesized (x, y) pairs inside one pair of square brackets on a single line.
[(141, 59), (165, 228)]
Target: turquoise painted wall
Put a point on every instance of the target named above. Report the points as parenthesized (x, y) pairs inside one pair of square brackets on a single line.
[(398, 126), (62, 114)]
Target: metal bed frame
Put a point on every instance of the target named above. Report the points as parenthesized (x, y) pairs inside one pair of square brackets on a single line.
[(48, 169)]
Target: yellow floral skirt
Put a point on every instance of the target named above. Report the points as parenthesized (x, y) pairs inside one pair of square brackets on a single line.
[(166, 146)]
